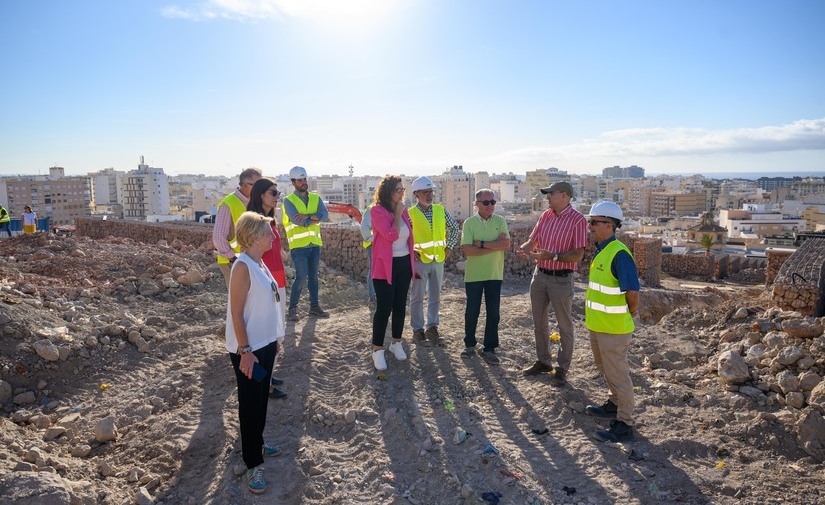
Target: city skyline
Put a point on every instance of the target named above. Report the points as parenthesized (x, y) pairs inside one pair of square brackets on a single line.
[(408, 87)]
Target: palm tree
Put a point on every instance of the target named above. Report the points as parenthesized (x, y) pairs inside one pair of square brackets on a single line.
[(707, 243)]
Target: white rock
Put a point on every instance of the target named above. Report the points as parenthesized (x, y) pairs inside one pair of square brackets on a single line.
[(105, 429), (46, 350), (789, 355), (142, 497), (742, 313), (787, 381), (81, 451), (732, 368)]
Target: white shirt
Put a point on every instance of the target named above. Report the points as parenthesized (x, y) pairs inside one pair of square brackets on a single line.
[(399, 246), (263, 317)]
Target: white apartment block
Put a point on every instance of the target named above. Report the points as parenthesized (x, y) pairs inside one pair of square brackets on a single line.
[(455, 189), (144, 192), (55, 196), (756, 221)]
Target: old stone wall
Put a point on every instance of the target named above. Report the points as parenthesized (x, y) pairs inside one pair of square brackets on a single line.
[(726, 264), (799, 283), (681, 266), (194, 234), (775, 261)]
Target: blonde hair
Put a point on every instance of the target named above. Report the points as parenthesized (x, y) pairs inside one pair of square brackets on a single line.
[(251, 226)]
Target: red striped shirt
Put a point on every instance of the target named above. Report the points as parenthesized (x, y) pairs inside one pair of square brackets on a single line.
[(559, 233)]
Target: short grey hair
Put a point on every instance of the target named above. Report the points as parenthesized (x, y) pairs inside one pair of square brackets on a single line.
[(248, 174), (483, 191)]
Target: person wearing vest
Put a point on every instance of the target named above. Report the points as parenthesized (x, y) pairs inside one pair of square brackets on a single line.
[(4, 220), (303, 213), (367, 235), (229, 211), (556, 244), (611, 305), (435, 232)]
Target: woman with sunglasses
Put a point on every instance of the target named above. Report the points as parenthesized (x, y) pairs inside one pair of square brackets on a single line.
[(392, 266), (254, 322), (263, 199)]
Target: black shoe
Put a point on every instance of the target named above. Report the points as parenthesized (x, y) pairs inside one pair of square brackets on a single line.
[(490, 357), (618, 432), (275, 381), (559, 377), (277, 393), (608, 410), (536, 368)]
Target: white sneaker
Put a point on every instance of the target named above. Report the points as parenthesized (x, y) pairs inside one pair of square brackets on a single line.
[(378, 359), (396, 349)]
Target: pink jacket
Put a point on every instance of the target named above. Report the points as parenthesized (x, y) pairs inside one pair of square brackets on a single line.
[(385, 234)]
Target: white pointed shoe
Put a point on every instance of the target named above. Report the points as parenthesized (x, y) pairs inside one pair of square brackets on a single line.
[(378, 359), (398, 351)]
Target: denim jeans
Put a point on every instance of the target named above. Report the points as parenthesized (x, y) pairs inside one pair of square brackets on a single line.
[(306, 261), (370, 287), (5, 227), (492, 299)]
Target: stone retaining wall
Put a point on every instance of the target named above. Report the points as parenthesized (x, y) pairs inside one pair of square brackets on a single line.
[(194, 234), (775, 261), (799, 284), (680, 265)]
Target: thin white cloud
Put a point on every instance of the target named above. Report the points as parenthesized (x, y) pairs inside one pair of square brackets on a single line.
[(802, 135), (268, 9)]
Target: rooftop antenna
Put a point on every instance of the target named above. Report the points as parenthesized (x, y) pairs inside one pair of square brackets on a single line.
[(350, 170)]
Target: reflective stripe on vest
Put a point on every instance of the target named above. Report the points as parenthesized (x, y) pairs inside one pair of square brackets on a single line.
[(236, 208), (301, 236), (430, 241), (605, 308)]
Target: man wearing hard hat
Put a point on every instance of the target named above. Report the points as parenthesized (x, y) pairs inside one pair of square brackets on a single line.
[(435, 232), (303, 213), (229, 210), (557, 245), (611, 304)]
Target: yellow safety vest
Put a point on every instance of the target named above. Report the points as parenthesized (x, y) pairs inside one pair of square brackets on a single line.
[(301, 236), (430, 242), (4, 215), (605, 307), (367, 243), (236, 208)]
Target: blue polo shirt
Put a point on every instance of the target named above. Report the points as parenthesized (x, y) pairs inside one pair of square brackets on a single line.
[(623, 267)]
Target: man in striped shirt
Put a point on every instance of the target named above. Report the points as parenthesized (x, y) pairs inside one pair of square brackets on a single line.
[(557, 245)]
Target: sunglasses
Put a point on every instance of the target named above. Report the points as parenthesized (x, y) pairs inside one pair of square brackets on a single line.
[(274, 192), (274, 287), (425, 192), (399, 190), (594, 222), (486, 202)]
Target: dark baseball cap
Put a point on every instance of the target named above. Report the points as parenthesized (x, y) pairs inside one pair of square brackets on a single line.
[(559, 186)]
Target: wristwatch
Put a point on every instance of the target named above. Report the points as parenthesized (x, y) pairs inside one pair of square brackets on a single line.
[(556, 257), (245, 349), (481, 244)]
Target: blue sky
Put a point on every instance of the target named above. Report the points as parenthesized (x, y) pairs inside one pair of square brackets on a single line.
[(412, 86)]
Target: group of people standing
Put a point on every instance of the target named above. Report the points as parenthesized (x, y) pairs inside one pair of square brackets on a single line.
[(28, 220), (407, 248)]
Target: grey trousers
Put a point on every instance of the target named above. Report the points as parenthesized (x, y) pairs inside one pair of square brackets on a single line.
[(429, 285), (545, 291)]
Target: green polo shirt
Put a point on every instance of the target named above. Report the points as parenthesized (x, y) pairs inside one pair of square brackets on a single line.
[(490, 266)]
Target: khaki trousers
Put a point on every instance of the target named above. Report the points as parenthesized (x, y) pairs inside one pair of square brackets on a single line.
[(546, 291), (226, 269), (610, 355)]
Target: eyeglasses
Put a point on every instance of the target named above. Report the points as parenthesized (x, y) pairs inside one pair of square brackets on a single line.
[(594, 222), (399, 190), (274, 287), (486, 202), (248, 184), (274, 192), (425, 192)]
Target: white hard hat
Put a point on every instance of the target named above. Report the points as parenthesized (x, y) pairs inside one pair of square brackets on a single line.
[(422, 183), (607, 209), (298, 173)]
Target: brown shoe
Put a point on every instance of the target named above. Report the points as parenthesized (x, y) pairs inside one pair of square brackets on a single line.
[(434, 336), (420, 339), (537, 368)]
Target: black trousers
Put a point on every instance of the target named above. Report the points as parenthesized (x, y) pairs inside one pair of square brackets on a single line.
[(252, 400), (391, 299)]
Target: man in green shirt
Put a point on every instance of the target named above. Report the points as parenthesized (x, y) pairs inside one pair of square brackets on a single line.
[(484, 239)]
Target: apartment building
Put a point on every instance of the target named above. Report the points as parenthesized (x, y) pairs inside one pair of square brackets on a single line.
[(676, 204), (144, 192), (537, 179), (455, 189), (757, 221), (60, 198)]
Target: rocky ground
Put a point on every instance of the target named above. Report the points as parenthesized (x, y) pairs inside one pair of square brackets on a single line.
[(116, 389)]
